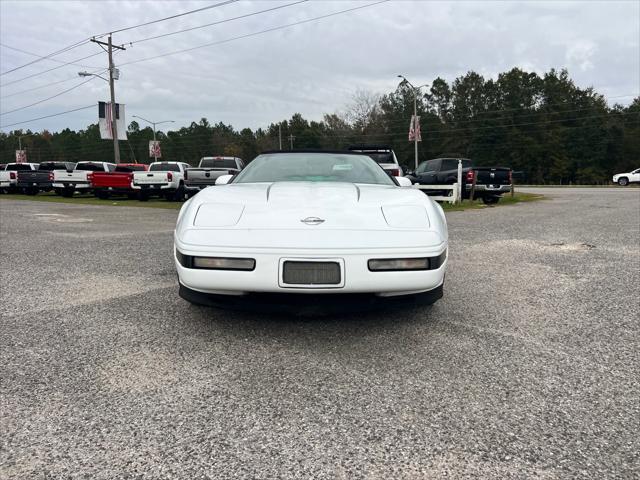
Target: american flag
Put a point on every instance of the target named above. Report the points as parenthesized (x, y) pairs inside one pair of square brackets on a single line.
[(414, 129), (105, 119)]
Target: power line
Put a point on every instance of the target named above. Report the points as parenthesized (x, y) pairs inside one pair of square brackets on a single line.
[(48, 98), (77, 44), (221, 4), (219, 22), (49, 116), (75, 77), (46, 57), (72, 62), (280, 27), (41, 58)]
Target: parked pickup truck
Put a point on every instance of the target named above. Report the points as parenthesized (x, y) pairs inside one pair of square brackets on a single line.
[(164, 179), (490, 183), (9, 176), (383, 155), (209, 169), (118, 182), (66, 183), (32, 181)]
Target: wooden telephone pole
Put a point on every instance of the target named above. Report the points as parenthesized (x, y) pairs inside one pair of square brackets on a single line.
[(112, 77)]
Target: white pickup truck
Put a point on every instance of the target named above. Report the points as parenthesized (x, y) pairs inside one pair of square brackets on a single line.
[(209, 169), (9, 176), (65, 183), (164, 179)]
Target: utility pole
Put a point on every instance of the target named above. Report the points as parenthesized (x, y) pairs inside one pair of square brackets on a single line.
[(280, 135), (416, 91), (112, 77), (291, 139)]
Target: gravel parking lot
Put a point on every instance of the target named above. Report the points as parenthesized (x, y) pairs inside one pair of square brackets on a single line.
[(527, 368)]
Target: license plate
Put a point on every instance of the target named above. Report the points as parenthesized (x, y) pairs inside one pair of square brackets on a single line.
[(311, 273)]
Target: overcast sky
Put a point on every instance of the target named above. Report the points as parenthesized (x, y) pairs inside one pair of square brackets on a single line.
[(312, 68)]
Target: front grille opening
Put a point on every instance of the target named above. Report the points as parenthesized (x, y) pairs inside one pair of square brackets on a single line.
[(311, 273)]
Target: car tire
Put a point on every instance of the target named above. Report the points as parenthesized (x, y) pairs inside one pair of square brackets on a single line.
[(623, 181), (490, 200), (178, 195)]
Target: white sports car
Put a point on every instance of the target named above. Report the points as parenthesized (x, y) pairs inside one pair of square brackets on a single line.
[(321, 223)]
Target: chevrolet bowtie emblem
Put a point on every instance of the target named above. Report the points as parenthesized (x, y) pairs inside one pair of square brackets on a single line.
[(312, 220)]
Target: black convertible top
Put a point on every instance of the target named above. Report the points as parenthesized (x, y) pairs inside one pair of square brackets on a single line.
[(312, 150)]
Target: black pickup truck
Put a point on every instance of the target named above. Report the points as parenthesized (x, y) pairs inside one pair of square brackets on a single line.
[(32, 181), (490, 182)]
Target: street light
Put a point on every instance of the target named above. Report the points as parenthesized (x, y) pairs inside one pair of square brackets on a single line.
[(20, 139), (416, 90), (87, 74), (155, 159)]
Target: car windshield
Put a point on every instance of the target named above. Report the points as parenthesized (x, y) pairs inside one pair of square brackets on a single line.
[(313, 167), (164, 167), (218, 163)]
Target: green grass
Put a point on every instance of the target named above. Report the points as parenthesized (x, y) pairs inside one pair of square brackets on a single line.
[(505, 200), (86, 199), (156, 203)]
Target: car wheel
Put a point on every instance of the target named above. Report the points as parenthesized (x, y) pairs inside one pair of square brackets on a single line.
[(623, 182), (178, 195), (490, 200)]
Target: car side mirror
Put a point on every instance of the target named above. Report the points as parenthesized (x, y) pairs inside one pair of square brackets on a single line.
[(404, 181), (223, 179)]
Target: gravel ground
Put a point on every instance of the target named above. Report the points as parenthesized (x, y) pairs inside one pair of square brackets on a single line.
[(527, 368)]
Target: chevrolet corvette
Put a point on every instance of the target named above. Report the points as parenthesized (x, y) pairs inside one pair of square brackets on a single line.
[(310, 222)]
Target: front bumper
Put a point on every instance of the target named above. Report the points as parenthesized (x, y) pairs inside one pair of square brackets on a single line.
[(310, 304), (266, 277)]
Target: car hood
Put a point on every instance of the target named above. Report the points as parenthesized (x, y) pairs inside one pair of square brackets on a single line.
[(313, 214)]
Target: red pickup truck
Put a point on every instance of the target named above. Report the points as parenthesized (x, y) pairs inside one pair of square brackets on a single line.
[(118, 182)]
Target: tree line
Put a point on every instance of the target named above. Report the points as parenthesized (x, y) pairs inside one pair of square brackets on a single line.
[(544, 127)]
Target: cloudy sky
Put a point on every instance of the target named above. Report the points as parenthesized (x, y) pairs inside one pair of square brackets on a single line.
[(312, 68)]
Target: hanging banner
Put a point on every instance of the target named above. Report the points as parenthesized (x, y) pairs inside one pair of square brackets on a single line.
[(414, 129), (105, 124), (154, 149), (21, 156)]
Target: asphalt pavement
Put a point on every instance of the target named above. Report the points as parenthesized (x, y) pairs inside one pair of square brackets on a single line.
[(527, 368)]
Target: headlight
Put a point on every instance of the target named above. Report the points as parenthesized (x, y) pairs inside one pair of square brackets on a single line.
[(406, 264), (216, 263), (380, 265)]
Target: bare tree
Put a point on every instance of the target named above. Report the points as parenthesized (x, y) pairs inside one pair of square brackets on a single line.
[(363, 109)]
